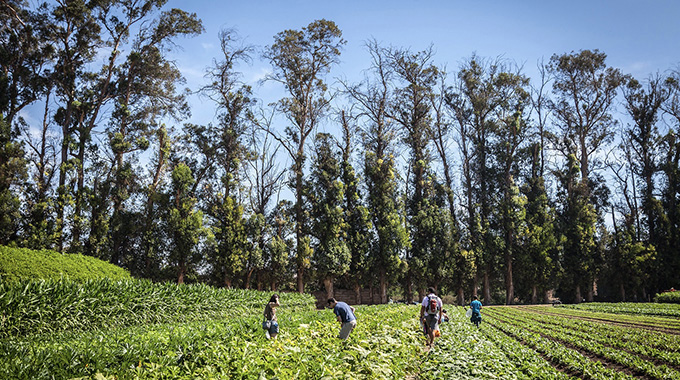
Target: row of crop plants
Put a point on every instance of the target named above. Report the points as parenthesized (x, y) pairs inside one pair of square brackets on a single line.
[(654, 344), (670, 310), (571, 360), (466, 352), (643, 320), (385, 345), (588, 342)]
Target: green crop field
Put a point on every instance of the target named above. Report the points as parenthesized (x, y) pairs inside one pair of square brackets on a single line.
[(132, 329)]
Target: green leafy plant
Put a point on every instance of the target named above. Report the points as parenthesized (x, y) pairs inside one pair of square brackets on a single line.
[(27, 264), (668, 297)]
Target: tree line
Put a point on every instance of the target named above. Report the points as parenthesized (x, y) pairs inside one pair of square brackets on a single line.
[(474, 180)]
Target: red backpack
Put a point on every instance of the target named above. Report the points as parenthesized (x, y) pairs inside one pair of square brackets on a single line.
[(433, 306)]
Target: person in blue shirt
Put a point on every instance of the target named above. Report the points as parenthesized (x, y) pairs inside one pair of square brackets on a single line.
[(476, 307), (345, 315)]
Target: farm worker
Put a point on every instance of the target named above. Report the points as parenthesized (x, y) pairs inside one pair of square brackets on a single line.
[(445, 317), (270, 324), (345, 315), (431, 314), (476, 307)]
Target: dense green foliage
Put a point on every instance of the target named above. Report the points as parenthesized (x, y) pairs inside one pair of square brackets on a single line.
[(26, 264), (49, 306), (668, 297), (332, 256), (451, 189)]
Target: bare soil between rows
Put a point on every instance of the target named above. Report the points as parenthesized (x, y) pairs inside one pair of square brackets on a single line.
[(593, 357), (634, 325)]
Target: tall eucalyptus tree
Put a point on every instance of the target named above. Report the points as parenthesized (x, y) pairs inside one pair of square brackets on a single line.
[(331, 256), (146, 93), (301, 59), (585, 90), (379, 139)]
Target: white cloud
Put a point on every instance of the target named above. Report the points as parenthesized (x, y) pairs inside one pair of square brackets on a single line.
[(639, 68), (34, 125), (192, 74), (257, 74)]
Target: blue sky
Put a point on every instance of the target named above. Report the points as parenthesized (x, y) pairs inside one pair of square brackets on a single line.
[(639, 37)]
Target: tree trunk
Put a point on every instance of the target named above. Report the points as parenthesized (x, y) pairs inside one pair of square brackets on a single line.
[(299, 217), (357, 293), (249, 275), (227, 280), (61, 188), (546, 296), (590, 294), (510, 288), (383, 287), (622, 292), (534, 295), (487, 286), (182, 271), (475, 284), (460, 300), (578, 294), (300, 282), (328, 284), (77, 216)]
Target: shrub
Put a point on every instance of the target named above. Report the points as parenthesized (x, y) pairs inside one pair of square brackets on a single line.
[(25, 264), (668, 297)]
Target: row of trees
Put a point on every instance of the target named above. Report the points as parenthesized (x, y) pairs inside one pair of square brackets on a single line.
[(473, 180)]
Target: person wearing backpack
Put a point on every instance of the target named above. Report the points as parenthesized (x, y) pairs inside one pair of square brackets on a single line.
[(431, 314), (345, 315), (270, 324)]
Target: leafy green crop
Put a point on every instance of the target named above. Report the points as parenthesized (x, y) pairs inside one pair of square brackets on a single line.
[(48, 306), (133, 329), (668, 297), (637, 309), (627, 356), (27, 264), (385, 345)]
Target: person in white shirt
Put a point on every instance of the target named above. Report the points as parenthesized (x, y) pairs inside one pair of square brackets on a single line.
[(431, 314)]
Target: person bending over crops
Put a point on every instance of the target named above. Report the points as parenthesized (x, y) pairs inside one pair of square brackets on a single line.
[(431, 314), (476, 307), (270, 325), (345, 315)]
